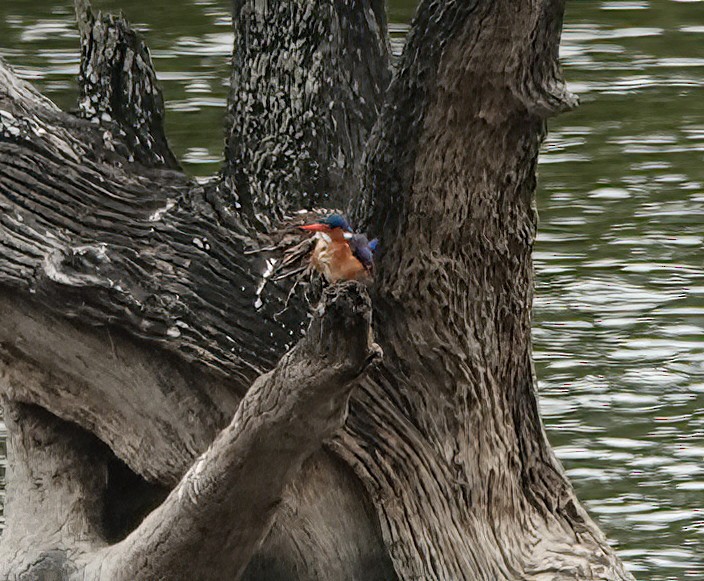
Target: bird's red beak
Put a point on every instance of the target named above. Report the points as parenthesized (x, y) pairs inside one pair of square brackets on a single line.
[(315, 227)]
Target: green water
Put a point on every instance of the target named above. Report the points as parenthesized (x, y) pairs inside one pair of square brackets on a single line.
[(619, 313)]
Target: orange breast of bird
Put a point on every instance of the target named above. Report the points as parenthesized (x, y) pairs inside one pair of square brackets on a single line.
[(333, 257)]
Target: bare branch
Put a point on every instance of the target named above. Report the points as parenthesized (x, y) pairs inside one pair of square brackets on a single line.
[(224, 506), (130, 245), (469, 70), (449, 188)]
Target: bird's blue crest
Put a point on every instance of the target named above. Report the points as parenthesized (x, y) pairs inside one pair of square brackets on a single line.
[(374, 244), (337, 221)]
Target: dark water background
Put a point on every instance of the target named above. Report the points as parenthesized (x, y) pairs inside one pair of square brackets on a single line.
[(619, 313)]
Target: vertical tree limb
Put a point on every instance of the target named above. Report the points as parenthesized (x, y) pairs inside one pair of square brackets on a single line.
[(449, 188), (308, 81), (118, 85)]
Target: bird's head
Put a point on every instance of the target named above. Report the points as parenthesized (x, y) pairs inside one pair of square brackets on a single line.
[(329, 223)]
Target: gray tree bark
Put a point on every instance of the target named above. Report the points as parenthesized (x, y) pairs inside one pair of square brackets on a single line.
[(173, 415)]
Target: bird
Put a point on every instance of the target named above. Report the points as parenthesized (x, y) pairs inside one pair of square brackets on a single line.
[(363, 249), (340, 253)]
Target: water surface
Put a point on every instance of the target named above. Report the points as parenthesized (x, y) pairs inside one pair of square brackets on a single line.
[(619, 313)]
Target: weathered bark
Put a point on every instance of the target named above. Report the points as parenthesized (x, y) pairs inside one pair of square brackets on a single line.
[(451, 192), (308, 81), (284, 417), (118, 82), (55, 502), (139, 307)]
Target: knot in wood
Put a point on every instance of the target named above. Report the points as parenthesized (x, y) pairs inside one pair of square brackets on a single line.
[(79, 266)]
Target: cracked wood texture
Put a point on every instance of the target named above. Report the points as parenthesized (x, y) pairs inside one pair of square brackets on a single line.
[(282, 420), (299, 117), (138, 308), (117, 81)]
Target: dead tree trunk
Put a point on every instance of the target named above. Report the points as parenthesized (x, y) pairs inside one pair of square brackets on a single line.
[(153, 435)]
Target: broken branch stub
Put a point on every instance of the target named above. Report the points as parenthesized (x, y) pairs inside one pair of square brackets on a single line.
[(118, 86), (308, 80)]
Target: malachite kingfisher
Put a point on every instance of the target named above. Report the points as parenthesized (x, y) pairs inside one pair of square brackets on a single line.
[(340, 253)]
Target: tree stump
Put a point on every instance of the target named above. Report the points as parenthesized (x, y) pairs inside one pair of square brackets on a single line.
[(174, 414)]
